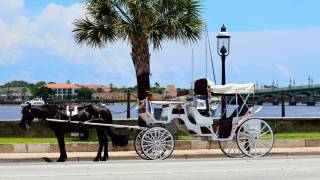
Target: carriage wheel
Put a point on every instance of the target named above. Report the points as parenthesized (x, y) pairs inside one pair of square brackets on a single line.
[(137, 145), (157, 143), (255, 138), (230, 148)]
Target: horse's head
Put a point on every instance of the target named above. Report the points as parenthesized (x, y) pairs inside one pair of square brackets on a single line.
[(92, 110), (27, 117)]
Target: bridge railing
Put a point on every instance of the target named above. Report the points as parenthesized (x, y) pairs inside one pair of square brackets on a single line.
[(289, 88)]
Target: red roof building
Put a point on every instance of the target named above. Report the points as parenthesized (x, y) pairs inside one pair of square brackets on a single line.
[(95, 87), (63, 91)]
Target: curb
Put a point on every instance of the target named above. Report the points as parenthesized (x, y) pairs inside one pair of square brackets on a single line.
[(180, 145), (131, 155)]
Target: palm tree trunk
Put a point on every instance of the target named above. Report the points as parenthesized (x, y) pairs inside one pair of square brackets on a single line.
[(141, 60)]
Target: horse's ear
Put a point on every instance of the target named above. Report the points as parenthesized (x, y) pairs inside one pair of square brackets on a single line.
[(29, 105)]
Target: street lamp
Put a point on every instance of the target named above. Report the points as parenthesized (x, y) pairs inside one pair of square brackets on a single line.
[(223, 47)]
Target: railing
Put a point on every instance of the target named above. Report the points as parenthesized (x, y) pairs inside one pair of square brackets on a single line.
[(289, 88)]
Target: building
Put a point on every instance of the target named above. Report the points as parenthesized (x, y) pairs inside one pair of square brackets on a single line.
[(15, 93), (170, 92), (122, 96), (117, 96), (97, 87), (64, 91)]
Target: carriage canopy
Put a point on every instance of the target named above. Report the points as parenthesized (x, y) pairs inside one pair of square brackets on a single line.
[(202, 86), (233, 89)]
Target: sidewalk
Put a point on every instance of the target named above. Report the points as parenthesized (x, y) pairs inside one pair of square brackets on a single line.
[(131, 155)]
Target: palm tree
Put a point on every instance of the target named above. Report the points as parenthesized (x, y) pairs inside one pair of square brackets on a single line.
[(140, 22)]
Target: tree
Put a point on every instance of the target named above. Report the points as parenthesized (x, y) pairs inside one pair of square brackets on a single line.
[(157, 88), (17, 84), (157, 85), (40, 83), (84, 93), (100, 90), (139, 22), (43, 92)]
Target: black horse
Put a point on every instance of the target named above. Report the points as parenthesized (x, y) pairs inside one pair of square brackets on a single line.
[(88, 112)]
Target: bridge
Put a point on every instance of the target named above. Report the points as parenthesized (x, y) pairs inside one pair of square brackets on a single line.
[(294, 95)]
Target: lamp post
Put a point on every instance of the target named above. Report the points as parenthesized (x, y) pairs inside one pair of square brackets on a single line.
[(223, 47)]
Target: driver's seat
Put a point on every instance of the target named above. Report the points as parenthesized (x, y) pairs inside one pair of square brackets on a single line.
[(201, 96)]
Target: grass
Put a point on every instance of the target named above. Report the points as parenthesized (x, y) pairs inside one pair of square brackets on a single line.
[(314, 135), (20, 140), (13, 140)]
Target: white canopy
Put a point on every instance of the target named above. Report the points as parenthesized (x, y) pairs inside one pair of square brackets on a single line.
[(233, 89)]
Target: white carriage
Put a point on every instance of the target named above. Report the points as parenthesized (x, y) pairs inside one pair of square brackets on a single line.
[(238, 135)]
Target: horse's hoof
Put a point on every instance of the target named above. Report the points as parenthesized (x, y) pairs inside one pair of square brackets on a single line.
[(104, 159), (96, 159), (61, 160)]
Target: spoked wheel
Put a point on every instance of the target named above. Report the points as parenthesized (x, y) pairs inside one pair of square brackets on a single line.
[(137, 145), (255, 138), (230, 148), (157, 143)]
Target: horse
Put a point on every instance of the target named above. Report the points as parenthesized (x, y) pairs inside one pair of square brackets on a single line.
[(88, 112)]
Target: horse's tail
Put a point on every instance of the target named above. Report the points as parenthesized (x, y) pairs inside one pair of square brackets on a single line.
[(118, 139)]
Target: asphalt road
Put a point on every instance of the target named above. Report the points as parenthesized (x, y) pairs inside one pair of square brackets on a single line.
[(293, 168)]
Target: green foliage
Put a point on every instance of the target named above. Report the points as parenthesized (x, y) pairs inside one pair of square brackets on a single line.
[(100, 90), (157, 89), (22, 140), (33, 87), (10, 140), (84, 93), (139, 22), (17, 84), (110, 20), (43, 92), (68, 97), (40, 84)]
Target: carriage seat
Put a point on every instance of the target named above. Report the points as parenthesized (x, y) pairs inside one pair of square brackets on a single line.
[(195, 117)]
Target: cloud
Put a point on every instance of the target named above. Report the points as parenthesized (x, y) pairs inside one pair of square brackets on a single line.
[(283, 70), (12, 4), (254, 56)]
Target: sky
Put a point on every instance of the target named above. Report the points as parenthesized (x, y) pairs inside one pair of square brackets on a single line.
[(271, 40)]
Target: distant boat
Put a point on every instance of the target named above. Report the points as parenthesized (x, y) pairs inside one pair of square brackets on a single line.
[(34, 102)]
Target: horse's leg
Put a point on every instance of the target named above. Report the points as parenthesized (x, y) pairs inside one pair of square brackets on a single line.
[(60, 138), (101, 135), (105, 154)]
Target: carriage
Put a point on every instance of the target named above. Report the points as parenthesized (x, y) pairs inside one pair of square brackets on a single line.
[(238, 134)]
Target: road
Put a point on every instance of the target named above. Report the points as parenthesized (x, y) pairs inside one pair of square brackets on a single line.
[(272, 168)]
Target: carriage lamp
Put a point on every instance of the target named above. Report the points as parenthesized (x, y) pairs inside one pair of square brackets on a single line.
[(223, 48)]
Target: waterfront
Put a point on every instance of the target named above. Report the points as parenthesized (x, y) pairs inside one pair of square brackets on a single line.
[(13, 112)]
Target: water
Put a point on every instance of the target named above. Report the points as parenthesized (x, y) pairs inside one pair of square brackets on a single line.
[(13, 112)]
